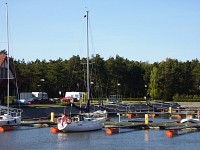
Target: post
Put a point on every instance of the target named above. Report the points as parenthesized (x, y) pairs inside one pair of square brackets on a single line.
[(146, 119), (118, 90), (170, 110), (42, 80), (92, 91), (119, 116), (52, 116)]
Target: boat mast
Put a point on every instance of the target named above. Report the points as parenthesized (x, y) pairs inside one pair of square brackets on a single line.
[(88, 75), (8, 63)]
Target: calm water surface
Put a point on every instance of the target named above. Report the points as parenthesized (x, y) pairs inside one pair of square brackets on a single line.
[(26, 138)]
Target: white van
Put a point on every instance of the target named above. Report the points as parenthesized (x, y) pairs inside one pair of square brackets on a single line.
[(76, 95)]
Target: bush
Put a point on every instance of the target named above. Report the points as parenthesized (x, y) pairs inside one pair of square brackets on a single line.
[(186, 98)]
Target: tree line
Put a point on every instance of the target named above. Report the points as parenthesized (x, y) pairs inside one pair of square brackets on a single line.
[(132, 79)]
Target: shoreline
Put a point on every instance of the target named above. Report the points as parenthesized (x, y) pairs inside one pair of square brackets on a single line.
[(40, 111)]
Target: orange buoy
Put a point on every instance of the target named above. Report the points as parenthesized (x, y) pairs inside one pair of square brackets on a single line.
[(110, 131), (171, 133), (6, 128), (153, 115), (54, 130), (179, 116), (130, 116)]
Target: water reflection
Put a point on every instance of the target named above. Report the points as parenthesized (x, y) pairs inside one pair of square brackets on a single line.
[(42, 138), (83, 139), (146, 136)]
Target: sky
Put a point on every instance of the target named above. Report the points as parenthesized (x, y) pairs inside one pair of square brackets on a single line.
[(137, 30)]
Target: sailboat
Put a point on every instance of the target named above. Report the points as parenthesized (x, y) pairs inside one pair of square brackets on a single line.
[(88, 121), (9, 116)]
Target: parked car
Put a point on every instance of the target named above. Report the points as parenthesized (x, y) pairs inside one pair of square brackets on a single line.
[(22, 101), (67, 100)]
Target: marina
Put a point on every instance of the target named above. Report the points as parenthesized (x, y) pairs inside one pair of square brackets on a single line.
[(123, 130), (93, 101), (132, 120)]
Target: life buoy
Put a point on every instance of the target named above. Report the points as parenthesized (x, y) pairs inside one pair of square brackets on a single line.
[(69, 120), (64, 120)]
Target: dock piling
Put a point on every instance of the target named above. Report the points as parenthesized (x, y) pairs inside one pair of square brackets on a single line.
[(146, 119), (52, 117)]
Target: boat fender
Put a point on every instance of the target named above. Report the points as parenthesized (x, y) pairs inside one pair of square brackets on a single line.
[(8, 122), (15, 121), (69, 120)]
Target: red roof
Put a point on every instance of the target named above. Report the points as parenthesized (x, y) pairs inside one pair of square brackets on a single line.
[(2, 59)]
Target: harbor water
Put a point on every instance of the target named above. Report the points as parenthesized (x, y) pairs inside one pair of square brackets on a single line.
[(29, 138)]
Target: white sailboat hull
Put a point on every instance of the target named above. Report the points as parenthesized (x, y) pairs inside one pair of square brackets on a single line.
[(88, 124), (81, 126), (190, 120)]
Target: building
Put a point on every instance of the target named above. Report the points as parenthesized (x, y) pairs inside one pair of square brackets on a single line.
[(4, 78)]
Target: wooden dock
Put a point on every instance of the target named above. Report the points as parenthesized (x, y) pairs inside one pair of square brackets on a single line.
[(37, 123), (132, 125)]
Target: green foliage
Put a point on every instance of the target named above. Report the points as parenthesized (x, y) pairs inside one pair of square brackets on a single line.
[(186, 98), (3, 52), (164, 80), (154, 84)]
